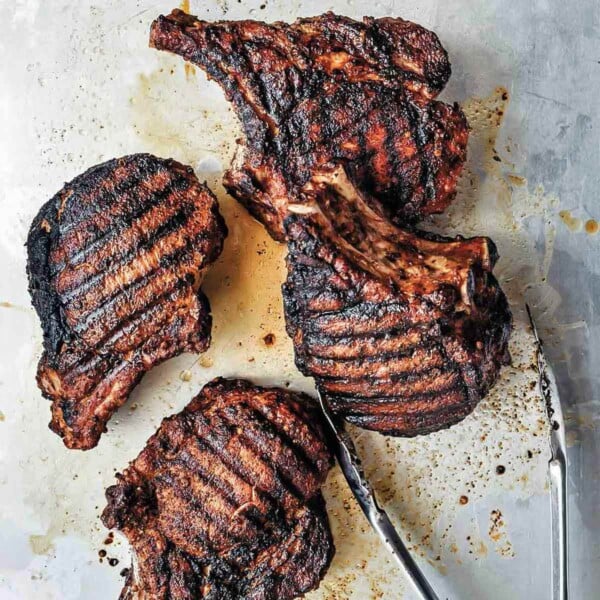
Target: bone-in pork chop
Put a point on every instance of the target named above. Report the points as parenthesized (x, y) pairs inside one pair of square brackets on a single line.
[(115, 262)]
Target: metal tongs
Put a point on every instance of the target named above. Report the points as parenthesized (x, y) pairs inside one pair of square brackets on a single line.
[(350, 464), (558, 470)]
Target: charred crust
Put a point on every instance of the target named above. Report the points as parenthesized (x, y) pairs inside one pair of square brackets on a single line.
[(108, 315), (205, 521), (325, 84)]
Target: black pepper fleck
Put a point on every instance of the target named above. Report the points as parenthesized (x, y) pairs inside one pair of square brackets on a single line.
[(500, 469)]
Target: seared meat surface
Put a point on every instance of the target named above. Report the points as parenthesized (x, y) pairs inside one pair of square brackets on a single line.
[(403, 334), (346, 148), (327, 89), (115, 262), (224, 502)]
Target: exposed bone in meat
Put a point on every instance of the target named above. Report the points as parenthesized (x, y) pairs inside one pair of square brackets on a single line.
[(403, 334), (326, 89)]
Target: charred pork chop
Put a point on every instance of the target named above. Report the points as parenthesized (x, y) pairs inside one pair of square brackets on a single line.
[(115, 262), (403, 333), (345, 149), (225, 502), (327, 89)]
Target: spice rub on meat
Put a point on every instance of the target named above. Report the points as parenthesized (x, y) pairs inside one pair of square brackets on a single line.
[(115, 263), (329, 88), (224, 502), (345, 149)]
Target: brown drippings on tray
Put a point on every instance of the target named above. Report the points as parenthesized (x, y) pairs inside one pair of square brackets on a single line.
[(517, 179), (573, 223), (496, 524), (269, 339), (592, 227), (12, 306), (245, 291), (188, 68), (498, 534), (172, 118)]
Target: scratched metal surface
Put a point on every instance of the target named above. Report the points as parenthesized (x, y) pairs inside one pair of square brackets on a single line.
[(79, 85)]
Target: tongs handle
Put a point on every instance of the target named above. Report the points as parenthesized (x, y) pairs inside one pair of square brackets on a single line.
[(399, 551), (351, 467), (557, 467), (558, 496)]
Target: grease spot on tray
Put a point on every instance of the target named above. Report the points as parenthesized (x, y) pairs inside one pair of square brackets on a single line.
[(269, 339), (573, 223), (592, 227), (174, 116), (42, 544), (12, 306), (524, 220)]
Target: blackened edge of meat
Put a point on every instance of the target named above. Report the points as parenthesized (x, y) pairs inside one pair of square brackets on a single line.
[(294, 547), (44, 298), (43, 232)]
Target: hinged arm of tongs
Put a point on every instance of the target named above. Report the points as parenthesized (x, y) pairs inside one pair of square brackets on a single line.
[(557, 468)]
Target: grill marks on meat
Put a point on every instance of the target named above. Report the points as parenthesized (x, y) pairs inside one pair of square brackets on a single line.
[(224, 501), (403, 334), (345, 148), (327, 89), (115, 261)]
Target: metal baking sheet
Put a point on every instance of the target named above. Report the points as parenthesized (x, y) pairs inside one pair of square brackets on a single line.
[(79, 85)]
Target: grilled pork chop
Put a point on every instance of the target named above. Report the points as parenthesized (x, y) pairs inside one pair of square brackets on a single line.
[(345, 149), (224, 501), (115, 262), (327, 89), (403, 334)]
